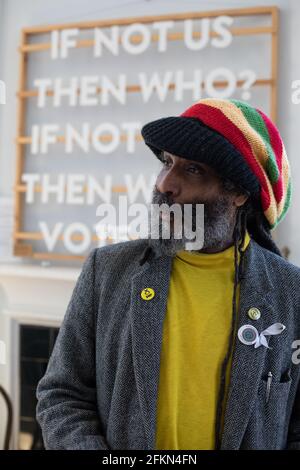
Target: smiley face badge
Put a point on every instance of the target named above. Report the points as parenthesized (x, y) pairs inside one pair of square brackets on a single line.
[(148, 293)]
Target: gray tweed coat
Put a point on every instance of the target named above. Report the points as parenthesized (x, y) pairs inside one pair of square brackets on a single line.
[(100, 387)]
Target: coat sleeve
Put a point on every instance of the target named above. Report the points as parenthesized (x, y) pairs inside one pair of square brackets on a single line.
[(67, 400)]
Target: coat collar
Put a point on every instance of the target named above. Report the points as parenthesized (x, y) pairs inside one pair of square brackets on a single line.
[(147, 318)]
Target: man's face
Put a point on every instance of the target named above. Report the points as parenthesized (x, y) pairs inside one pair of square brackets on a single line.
[(188, 182)]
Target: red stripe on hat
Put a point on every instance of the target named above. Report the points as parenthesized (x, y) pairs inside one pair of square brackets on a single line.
[(215, 119), (276, 144)]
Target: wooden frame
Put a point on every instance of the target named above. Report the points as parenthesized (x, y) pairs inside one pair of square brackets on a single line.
[(26, 249)]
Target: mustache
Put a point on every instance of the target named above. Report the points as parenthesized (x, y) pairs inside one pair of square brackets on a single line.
[(163, 198)]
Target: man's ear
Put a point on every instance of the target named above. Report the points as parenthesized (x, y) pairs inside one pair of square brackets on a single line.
[(240, 199)]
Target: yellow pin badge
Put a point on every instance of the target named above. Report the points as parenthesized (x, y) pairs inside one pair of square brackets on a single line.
[(148, 293)]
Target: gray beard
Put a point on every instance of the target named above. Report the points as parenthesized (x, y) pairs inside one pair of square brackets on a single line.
[(218, 226)]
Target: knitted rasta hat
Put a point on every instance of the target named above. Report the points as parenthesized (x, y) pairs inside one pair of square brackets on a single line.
[(239, 141)]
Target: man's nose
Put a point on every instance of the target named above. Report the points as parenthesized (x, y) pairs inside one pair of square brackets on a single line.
[(169, 183)]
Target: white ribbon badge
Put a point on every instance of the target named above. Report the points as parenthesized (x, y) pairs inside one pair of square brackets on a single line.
[(248, 334)]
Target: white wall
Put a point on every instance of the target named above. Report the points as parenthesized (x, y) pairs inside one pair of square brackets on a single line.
[(3, 378), (16, 14), (1, 25), (2, 20), (19, 13)]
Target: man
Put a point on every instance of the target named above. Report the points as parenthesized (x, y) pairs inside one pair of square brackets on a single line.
[(167, 348)]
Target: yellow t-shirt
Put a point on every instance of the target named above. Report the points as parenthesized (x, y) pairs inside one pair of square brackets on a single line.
[(195, 338)]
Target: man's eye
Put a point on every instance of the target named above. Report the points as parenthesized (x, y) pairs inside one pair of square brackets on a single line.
[(165, 162), (196, 170)]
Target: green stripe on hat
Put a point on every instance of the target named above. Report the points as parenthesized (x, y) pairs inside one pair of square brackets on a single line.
[(256, 121), (289, 192)]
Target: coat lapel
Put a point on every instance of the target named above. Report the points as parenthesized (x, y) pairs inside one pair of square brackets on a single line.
[(147, 326), (247, 362)]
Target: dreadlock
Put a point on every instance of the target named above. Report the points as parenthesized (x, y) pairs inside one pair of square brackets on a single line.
[(258, 227), (239, 238), (251, 218)]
